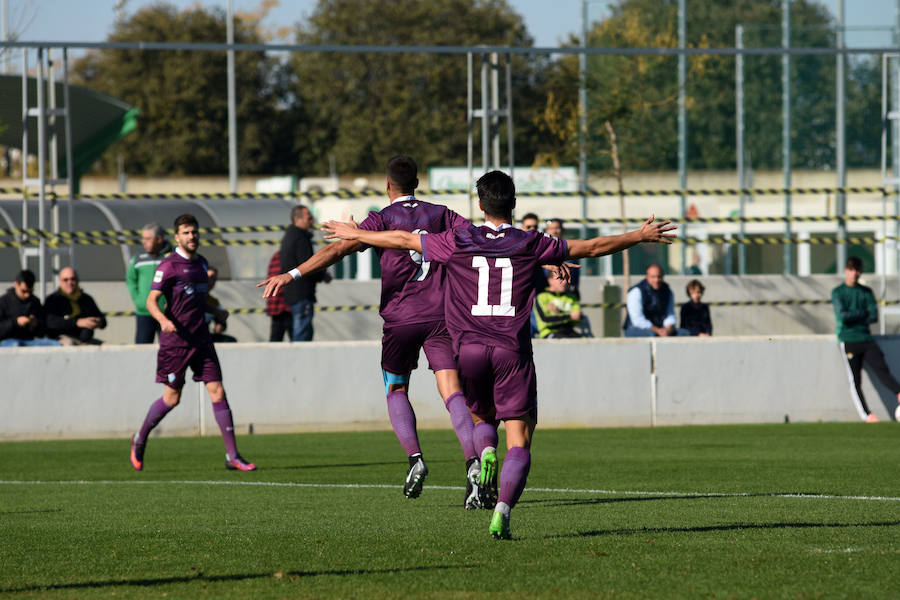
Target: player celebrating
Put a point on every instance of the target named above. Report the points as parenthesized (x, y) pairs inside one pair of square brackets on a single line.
[(185, 341), (489, 294), (413, 311)]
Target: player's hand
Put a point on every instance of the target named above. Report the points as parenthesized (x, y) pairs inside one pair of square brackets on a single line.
[(337, 230), (657, 232), (167, 326), (563, 271), (274, 285)]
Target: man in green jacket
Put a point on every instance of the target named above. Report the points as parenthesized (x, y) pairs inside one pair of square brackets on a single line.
[(855, 309), (139, 277)]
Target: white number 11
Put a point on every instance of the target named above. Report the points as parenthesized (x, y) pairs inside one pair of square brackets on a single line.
[(505, 308)]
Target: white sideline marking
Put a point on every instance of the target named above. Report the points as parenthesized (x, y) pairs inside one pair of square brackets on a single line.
[(454, 487)]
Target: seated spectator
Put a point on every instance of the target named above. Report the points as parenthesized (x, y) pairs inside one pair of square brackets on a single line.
[(557, 311), (694, 313), (651, 307), (72, 315), (277, 308), (21, 315), (216, 314), (529, 222)]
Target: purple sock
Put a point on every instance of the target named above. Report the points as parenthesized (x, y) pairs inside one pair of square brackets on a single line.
[(513, 474), (223, 417), (158, 410), (403, 420), (462, 423), (483, 435)]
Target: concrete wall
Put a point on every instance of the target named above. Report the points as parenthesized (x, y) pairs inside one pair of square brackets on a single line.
[(105, 391)]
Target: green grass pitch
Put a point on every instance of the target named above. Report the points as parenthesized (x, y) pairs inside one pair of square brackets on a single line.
[(680, 512)]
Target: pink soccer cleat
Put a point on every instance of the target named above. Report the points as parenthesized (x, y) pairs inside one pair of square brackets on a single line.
[(238, 464)]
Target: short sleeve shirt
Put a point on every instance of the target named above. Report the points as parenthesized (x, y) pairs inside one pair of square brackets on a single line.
[(184, 283), (490, 281), (411, 288)]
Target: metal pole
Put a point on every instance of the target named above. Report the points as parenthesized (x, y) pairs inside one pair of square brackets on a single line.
[(582, 112), (739, 134), (24, 259), (42, 174), (70, 169), (54, 151), (840, 125), (510, 137), (232, 116), (495, 110), (470, 141), (682, 122), (786, 125), (4, 26), (485, 122)]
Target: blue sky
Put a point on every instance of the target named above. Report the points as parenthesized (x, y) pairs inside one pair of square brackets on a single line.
[(549, 21)]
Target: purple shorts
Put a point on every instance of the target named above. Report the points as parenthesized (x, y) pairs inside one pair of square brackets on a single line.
[(172, 363), (400, 347), (494, 377)]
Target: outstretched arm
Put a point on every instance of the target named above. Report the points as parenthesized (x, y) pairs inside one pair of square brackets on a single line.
[(610, 244), (322, 259), (395, 240)]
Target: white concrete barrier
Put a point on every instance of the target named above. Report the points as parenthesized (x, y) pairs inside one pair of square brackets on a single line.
[(105, 391)]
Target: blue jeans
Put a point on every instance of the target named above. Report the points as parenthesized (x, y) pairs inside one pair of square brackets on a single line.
[(145, 329), (302, 313), (16, 343), (640, 332)]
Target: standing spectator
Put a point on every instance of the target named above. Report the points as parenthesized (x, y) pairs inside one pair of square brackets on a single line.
[(555, 228), (854, 310), (21, 315), (300, 295), (694, 313), (651, 307), (72, 315), (530, 222), (215, 314), (276, 308), (557, 311), (139, 277)]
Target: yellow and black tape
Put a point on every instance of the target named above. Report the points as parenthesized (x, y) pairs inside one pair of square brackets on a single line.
[(260, 311), (698, 220)]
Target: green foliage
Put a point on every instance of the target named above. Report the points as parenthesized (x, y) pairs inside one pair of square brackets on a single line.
[(182, 95)]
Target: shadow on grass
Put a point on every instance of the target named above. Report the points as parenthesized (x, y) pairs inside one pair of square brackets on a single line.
[(200, 577), (728, 527), (605, 500), (30, 512)]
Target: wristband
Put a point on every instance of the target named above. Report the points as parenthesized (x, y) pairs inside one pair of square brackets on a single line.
[(295, 273)]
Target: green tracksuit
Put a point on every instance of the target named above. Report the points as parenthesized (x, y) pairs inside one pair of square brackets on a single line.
[(139, 278)]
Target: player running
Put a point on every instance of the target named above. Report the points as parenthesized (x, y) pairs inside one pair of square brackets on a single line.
[(412, 306), (489, 295), (185, 341)]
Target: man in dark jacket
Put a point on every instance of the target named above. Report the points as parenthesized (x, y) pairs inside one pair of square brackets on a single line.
[(651, 307), (21, 315), (300, 295), (72, 315)]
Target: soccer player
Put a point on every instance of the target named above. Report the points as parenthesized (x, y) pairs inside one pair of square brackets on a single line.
[(488, 298), (413, 311), (185, 341)]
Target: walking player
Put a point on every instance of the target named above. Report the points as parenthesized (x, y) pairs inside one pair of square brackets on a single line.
[(185, 341)]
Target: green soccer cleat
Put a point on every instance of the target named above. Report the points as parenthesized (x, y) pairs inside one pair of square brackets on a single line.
[(500, 526), (487, 482)]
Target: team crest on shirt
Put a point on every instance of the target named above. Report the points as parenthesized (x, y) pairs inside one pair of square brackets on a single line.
[(494, 236), (410, 204), (158, 276)]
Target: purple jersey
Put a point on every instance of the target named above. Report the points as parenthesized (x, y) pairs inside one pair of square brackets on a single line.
[(411, 289), (490, 281), (183, 282)]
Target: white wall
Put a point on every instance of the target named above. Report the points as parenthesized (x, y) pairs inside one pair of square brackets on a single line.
[(105, 391)]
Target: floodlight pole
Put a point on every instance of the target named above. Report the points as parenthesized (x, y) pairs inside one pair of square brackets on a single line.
[(786, 126), (232, 117), (582, 112), (739, 136), (840, 126), (682, 123)]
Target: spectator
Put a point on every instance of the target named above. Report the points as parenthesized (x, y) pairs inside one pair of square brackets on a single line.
[(215, 313), (21, 315), (854, 310), (276, 307), (557, 311), (651, 307), (694, 313), (72, 315), (529, 222), (300, 295), (139, 277)]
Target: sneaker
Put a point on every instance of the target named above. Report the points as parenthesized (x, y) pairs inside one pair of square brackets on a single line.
[(872, 418), (137, 455), (415, 478), (487, 480), (473, 474), (238, 464), (500, 526)]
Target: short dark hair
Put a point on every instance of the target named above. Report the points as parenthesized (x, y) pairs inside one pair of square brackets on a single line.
[(854, 263), (497, 193), (185, 219), (25, 276), (297, 211), (530, 216), (559, 222), (403, 172), (694, 284)]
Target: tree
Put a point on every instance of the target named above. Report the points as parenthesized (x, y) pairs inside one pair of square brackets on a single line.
[(183, 99), (366, 107)]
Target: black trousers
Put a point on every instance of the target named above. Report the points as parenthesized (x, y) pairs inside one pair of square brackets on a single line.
[(858, 353), (281, 324)]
